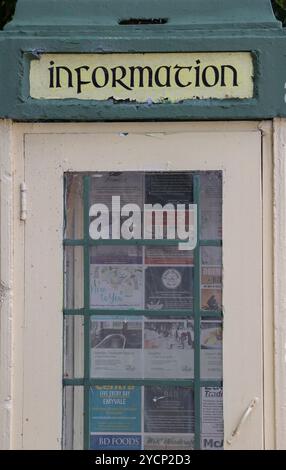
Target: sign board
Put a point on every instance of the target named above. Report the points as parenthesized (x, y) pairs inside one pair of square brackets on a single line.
[(143, 77)]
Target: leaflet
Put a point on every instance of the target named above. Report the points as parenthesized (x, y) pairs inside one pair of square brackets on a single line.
[(211, 350), (212, 418)]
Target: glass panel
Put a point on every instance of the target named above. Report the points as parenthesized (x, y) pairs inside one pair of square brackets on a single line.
[(128, 417), (211, 205), (211, 349), (73, 418), (149, 299), (211, 278), (73, 347), (73, 206), (73, 277)]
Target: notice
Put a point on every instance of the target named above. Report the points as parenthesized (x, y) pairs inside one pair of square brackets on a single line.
[(115, 409), (169, 288), (169, 441), (168, 409), (169, 349), (116, 347)]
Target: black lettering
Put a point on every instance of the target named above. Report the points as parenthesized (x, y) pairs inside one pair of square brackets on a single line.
[(140, 74), (95, 79), (177, 76), (234, 74), (167, 78), (206, 80), (58, 75), (198, 73), (116, 80), (81, 82), (52, 69)]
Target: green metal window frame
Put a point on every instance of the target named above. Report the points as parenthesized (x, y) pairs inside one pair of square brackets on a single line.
[(198, 314)]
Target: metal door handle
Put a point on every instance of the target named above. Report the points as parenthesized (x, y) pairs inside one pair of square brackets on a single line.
[(242, 420)]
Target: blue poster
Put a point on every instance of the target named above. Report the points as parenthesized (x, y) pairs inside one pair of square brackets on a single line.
[(115, 442), (115, 408)]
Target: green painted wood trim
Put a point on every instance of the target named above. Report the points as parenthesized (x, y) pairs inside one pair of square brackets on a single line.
[(55, 13)]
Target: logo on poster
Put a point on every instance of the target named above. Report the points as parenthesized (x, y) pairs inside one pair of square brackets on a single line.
[(171, 278)]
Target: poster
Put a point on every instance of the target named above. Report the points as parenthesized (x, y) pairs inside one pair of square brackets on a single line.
[(211, 350), (175, 188), (212, 418), (116, 286), (115, 409), (169, 349), (169, 288), (211, 205), (169, 442), (116, 347), (168, 409)]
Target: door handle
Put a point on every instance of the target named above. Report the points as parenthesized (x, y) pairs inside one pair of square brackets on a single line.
[(242, 420)]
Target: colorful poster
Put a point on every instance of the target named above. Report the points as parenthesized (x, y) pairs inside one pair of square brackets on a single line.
[(212, 418), (115, 442), (169, 442), (116, 347), (169, 288), (211, 350), (168, 409), (116, 286), (169, 349), (115, 409)]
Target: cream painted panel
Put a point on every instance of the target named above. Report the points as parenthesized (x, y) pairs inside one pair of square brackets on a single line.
[(145, 147)]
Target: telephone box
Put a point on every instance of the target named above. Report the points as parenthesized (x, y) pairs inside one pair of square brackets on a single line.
[(143, 236)]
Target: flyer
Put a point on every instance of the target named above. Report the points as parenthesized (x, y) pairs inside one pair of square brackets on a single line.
[(211, 205), (169, 349), (169, 288), (168, 409), (168, 441), (115, 409), (211, 350), (116, 286), (116, 347), (212, 418)]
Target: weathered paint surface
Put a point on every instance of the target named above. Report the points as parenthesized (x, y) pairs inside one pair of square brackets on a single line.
[(61, 27)]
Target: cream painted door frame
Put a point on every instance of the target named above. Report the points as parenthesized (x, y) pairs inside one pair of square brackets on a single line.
[(42, 154)]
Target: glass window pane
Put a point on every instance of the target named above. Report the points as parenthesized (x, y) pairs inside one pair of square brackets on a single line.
[(211, 349), (211, 205), (73, 418), (73, 347), (73, 277), (211, 278), (73, 206)]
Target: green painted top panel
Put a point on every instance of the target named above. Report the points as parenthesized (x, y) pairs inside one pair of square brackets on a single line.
[(54, 13), (99, 27)]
